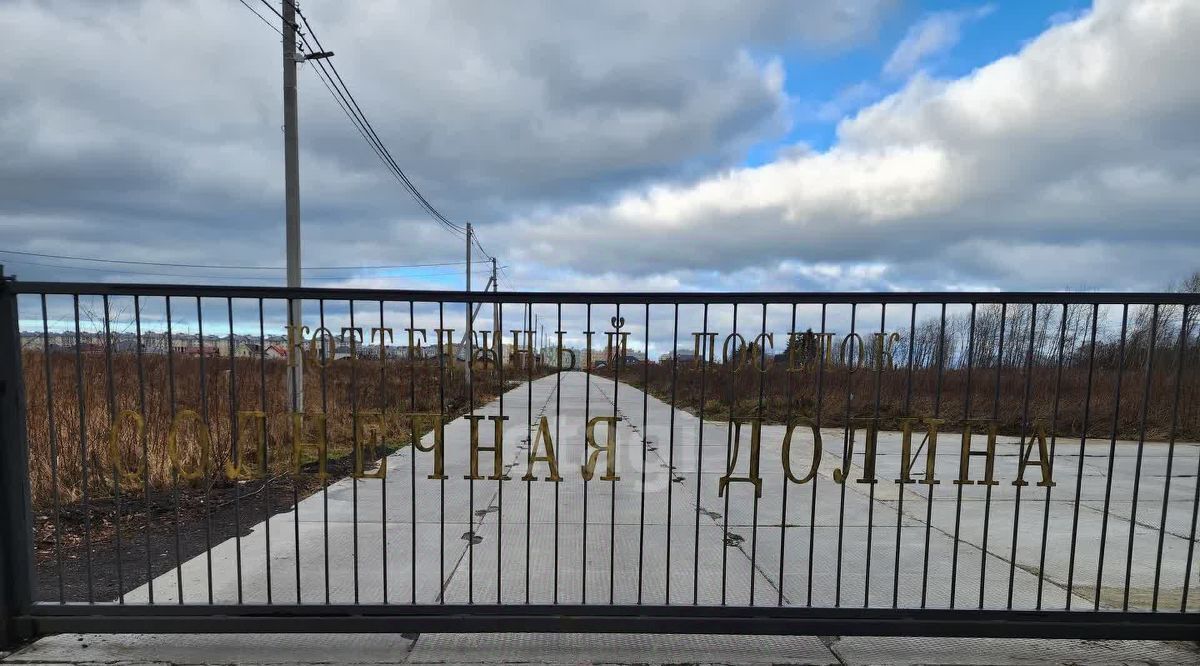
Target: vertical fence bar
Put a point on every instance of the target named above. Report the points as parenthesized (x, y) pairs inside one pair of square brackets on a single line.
[(783, 522), (16, 520), (937, 412), (762, 371), (671, 448), (1012, 557), (502, 473), (233, 449), (326, 357), (847, 450), (987, 497), (141, 373), (174, 468), (958, 489), (729, 360), (704, 361), (205, 463), (1062, 344), (557, 431), (872, 482), (912, 330), (52, 428), (616, 364), (355, 463), (112, 421), (1112, 456), (1083, 434), (441, 357), (1162, 527), (645, 405), (587, 413), (266, 462), (81, 396), (812, 505), (1137, 470), (529, 429)]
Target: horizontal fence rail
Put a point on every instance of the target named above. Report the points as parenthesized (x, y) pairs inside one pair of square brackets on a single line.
[(214, 458)]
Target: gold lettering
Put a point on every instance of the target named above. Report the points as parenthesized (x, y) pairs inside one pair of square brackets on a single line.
[(437, 448), (543, 434), (254, 423), (497, 448), (368, 429), (759, 355), (446, 346), (702, 355), (906, 461), (609, 449), (787, 450), (114, 449), (869, 446), (964, 461), (755, 442), (739, 362), (322, 356), (202, 438), (298, 444), (295, 335), (1043, 459)]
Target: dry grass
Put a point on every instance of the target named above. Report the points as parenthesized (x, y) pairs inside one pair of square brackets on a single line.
[(993, 394), (216, 391)]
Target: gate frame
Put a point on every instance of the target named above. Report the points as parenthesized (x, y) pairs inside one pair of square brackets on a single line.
[(22, 619), (16, 510)]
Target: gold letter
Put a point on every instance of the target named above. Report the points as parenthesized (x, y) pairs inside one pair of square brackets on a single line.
[(755, 441), (368, 426), (233, 468), (609, 448), (964, 461), (543, 433), (202, 436), (759, 356), (437, 446), (906, 461), (497, 448), (787, 450), (114, 450), (1043, 459), (702, 355), (298, 443), (868, 476)]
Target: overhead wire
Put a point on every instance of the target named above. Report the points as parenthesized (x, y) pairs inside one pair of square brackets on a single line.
[(226, 266), (111, 271), (355, 110)]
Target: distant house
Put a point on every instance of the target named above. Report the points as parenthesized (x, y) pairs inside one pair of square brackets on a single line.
[(276, 351)]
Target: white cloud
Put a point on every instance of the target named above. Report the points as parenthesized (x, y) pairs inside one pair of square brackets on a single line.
[(934, 34), (1077, 150)]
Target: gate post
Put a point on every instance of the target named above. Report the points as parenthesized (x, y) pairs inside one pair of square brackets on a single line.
[(16, 515)]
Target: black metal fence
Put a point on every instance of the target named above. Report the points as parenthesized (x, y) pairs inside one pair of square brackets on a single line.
[(207, 458)]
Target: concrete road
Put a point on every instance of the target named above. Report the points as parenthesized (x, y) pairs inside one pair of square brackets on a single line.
[(529, 537)]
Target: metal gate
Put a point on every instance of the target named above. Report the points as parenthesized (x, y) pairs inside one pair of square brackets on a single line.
[(181, 458)]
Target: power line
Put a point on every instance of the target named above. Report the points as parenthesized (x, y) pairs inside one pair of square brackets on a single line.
[(226, 266), (111, 271), (261, 17), (354, 110)]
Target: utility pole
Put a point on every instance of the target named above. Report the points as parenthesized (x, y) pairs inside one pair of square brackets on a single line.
[(470, 317), (291, 174)]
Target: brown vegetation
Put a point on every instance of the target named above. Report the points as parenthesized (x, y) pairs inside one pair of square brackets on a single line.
[(215, 388)]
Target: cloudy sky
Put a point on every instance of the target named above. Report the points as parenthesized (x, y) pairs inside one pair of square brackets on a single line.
[(840, 144)]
